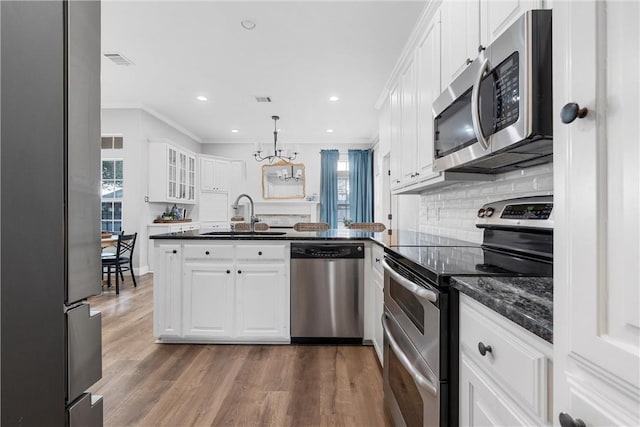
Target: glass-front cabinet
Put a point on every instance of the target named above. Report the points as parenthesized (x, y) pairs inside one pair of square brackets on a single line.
[(172, 173)]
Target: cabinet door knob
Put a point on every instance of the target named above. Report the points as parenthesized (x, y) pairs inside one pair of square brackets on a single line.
[(484, 349), (571, 111), (259, 252), (206, 253), (239, 271), (481, 48), (377, 259), (567, 420), (468, 61), (228, 271), (174, 251)]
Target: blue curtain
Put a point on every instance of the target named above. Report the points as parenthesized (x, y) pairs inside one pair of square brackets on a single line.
[(329, 187), (361, 185)]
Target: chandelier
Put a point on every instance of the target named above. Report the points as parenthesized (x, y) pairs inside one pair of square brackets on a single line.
[(277, 153)]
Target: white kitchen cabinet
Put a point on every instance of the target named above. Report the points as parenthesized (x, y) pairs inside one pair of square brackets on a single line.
[(496, 16), (395, 112), (215, 174), (428, 89), (378, 309), (207, 290), (468, 25), (262, 301), (597, 213), (509, 384), (172, 174), (408, 129), (224, 292), (208, 299), (162, 228), (167, 292), (460, 37)]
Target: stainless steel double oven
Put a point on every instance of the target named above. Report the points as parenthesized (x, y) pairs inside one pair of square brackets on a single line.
[(420, 318)]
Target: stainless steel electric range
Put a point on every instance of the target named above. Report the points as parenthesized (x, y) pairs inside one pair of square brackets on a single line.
[(421, 314)]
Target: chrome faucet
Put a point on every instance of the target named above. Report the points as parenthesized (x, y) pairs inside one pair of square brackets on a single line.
[(254, 219)]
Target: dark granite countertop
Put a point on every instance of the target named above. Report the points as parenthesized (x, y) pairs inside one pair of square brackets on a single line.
[(527, 301), (384, 238)]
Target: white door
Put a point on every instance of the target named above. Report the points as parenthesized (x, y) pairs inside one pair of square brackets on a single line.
[(262, 301), (208, 300), (167, 291), (597, 213)]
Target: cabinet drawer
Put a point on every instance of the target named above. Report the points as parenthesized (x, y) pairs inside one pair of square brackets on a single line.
[(261, 252), (517, 362), (208, 252)]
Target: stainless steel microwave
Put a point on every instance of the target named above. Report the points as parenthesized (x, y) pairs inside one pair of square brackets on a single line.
[(497, 114)]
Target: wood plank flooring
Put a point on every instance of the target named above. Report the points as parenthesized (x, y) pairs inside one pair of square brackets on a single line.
[(149, 384)]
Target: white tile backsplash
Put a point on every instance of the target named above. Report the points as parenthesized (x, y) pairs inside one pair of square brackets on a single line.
[(451, 211)]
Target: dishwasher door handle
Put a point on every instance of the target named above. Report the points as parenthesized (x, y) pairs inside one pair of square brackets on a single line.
[(415, 289)]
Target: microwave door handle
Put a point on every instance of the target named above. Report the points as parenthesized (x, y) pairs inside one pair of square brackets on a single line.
[(475, 104), (420, 380), (418, 291)]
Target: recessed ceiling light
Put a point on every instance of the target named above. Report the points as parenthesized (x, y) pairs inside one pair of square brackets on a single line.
[(334, 98), (247, 24), (234, 131), (329, 130), (202, 98)]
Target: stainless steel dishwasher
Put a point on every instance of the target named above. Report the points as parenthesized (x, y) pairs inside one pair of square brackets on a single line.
[(327, 293)]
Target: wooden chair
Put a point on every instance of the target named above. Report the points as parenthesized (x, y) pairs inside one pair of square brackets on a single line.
[(311, 226), (245, 226), (367, 226), (120, 260)]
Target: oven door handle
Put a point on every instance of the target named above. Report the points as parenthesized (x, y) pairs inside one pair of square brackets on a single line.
[(418, 291), (475, 104), (419, 379)]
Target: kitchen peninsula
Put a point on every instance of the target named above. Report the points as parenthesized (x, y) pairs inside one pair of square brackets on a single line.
[(235, 286)]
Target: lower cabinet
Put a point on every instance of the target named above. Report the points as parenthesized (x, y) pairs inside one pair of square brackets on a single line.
[(262, 302), (222, 292), (505, 370), (378, 309)]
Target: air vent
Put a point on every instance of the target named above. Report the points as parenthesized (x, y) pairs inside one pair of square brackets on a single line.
[(118, 59), (263, 98)]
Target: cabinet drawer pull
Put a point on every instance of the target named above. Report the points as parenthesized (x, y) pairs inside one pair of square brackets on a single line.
[(228, 271), (259, 252), (206, 253), (174, 251), (484, 349), (567, 420), (239, 271)]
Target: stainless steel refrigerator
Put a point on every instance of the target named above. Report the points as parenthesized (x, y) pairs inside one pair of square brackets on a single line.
[(50, 339)]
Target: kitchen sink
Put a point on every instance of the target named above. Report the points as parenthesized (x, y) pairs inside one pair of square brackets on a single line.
[(244, 233)]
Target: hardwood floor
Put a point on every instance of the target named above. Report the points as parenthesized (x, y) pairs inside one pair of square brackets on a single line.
[(149, 384)]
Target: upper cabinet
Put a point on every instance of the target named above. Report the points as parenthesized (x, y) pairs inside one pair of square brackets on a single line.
[(220, 175), (597, 213), (215, 173), (172, 173), (460, 37), (469, 26)]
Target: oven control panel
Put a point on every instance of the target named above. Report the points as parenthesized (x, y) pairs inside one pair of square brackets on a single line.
[(525, 212)]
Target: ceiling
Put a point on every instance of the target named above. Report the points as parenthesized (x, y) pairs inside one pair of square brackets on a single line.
[(299, 54)]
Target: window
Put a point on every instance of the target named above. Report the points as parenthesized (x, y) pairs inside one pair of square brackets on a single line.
[(111, 195), (343, 190), (111, 142)]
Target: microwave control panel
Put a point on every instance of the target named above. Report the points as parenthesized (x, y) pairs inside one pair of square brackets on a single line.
[(506, 92)]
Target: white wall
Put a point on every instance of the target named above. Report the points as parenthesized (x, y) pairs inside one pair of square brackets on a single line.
[(451, 211), (137, 126), (309, 156)]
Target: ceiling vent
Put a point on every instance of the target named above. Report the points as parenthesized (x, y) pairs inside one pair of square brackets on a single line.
[(118, 59), (263, 98)]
